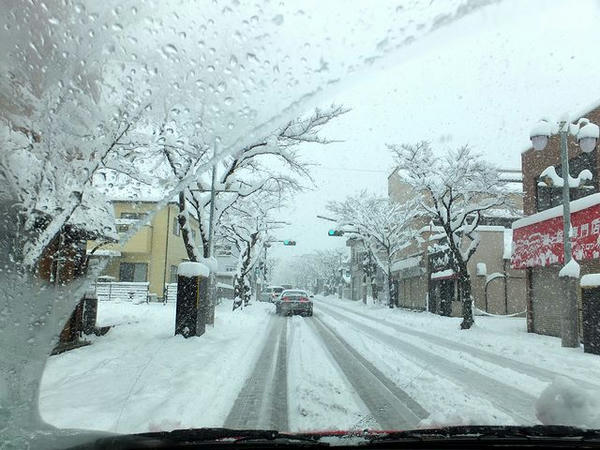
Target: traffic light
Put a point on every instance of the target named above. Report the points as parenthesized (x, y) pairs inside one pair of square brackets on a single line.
[(335, 233), (289, 242)]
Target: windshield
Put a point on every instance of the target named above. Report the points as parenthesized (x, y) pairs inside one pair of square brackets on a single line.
[(420, 178)]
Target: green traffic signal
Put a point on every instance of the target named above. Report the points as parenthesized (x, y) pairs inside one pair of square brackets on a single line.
[(289, 242), (333, 232)]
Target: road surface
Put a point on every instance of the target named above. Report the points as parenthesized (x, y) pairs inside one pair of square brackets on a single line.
[(340, 357)]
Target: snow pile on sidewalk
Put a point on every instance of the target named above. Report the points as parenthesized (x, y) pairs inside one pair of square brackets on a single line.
[(140, 377), (564, 403)]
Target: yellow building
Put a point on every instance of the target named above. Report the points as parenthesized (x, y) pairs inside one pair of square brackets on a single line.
[(152, 253)]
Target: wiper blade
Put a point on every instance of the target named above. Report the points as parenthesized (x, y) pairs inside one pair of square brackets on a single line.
[(448, 437), (200, 436), (495, 433)]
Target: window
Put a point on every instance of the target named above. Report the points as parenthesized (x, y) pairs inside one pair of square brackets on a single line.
[(131, 215), (223, 250), (137, 272), (173, 274), (122, 228), (176, 228), (550, 196)]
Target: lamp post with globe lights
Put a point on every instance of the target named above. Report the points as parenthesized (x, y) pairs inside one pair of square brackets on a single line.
[(587, 135)]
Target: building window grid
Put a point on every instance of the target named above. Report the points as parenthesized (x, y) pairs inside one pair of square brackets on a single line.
[(133, 272)]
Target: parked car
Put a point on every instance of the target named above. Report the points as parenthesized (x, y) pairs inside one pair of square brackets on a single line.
[(294, 301), (271, 293)]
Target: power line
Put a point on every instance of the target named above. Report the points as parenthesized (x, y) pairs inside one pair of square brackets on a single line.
[(350, 170)]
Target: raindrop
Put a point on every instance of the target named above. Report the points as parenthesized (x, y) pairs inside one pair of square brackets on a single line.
[(169, 49), (54, 21), (278, 19), (117, 27), (228, 101)]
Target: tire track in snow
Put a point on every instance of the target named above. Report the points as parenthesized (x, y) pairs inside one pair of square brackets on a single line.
[(262, 402), (506, 398), (390, 406), (518, 366)]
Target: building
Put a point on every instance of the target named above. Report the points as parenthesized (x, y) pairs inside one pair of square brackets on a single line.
[(538, 249), (153, 253), (425, 281)]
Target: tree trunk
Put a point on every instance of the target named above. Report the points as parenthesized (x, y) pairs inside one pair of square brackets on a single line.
[(374, 291), (188, 241), (390, 287), (241, 290), (464, 283)]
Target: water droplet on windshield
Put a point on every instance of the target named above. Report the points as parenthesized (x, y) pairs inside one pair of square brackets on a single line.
[(168, 50), (278, 19)]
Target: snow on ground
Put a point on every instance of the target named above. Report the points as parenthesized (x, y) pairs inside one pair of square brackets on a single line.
[(319, 396), (140, 377), (447, 402), (502, 335), (565, 403)]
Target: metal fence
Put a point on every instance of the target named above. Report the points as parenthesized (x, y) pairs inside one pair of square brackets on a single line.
[(223, 291), (136, 292)]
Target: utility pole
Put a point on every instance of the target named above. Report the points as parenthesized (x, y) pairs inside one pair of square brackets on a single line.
[(212, 290), (587, 134), (569, 329)]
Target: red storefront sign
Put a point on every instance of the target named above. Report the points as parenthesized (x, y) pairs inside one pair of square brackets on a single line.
[(538, 239)]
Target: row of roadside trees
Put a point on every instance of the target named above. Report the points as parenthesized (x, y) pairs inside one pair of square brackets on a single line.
[(452, 190)]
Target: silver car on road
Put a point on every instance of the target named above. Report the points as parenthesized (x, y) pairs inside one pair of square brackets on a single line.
[(294, 301)]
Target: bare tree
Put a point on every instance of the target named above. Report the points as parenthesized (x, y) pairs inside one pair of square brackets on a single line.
[(383, 226), (246, 227), (456, 189), (272, 166)]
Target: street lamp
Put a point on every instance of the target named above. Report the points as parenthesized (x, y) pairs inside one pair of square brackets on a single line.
[(587, 135)]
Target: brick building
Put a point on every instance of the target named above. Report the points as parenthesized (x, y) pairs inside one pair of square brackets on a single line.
[(538, 236), (422, 274)]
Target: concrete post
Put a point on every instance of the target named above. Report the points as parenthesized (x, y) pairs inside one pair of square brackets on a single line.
[(192, 299), (569, 331)]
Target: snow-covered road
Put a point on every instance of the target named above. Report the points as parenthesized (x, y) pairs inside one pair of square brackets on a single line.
[(350, 366)]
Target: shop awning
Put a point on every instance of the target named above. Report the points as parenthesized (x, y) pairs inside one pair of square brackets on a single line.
[(537, 239)]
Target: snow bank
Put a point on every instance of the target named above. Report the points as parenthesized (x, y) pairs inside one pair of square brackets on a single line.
[(564, 403), (589, 130), (192, 269), (590, 280), (141, 377), (542, 128), (571, 269)]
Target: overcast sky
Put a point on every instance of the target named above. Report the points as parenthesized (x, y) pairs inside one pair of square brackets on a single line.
[(484, 80)]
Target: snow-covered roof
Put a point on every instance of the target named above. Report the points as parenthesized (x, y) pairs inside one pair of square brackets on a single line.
[(448, 273), (576, 205), (406, 263), (95, 216), (117, 187), (105, 252)]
